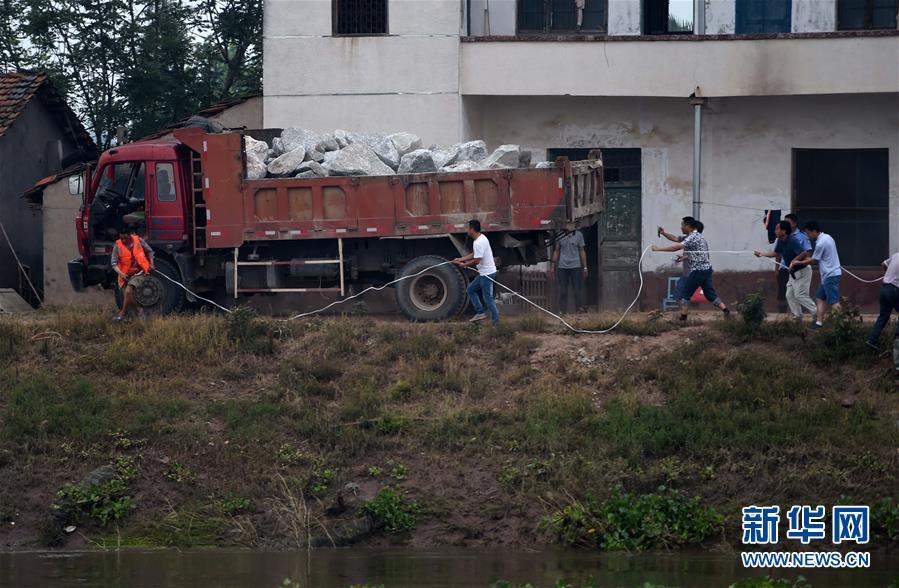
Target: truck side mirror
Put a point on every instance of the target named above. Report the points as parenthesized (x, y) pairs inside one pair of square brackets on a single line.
[(76, 187)]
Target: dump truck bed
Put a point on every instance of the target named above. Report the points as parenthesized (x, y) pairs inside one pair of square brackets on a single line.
[(231, 210)]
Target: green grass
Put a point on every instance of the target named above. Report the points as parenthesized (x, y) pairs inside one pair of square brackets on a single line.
[(249, 419), (728, 417), (40, 413)]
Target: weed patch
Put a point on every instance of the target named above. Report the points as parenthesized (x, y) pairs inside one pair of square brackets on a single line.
[(393, 511), (635, 522)]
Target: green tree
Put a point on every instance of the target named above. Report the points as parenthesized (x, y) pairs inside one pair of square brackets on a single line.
[(82, 43), (158, 85), (232, 46)]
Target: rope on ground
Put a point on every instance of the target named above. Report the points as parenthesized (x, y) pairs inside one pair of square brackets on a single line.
[(566, 323), (194, 294), (503, 286), (369, 289), (19, 263)]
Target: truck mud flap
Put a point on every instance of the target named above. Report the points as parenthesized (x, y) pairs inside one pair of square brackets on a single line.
[(76, 274)]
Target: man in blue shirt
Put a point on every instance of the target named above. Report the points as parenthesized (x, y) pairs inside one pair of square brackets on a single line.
[(795, 232), (788, 247), (827, 259)]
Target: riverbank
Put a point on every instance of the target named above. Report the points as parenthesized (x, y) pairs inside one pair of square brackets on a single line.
[(243, 432)]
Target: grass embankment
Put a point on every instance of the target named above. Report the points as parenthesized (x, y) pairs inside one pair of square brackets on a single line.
[(240, 431)]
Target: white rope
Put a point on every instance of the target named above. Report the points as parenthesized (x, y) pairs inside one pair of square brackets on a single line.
[(566, 323), (369, 289), (513, 292), (19, 263), (194, 294)]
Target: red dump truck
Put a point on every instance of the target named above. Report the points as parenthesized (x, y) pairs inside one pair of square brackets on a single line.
[(225, 237)]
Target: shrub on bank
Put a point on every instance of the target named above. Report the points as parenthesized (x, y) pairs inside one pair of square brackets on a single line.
[(635, 522)]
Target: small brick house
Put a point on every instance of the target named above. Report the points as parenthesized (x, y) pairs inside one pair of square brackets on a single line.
[(38, 131)]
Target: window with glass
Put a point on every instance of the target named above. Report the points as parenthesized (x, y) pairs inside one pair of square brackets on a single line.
[(763, 16), (165, 182), (561, 16), (866, 14), (667, 17)]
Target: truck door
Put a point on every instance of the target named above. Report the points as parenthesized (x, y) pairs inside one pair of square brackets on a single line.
[(166, 203)]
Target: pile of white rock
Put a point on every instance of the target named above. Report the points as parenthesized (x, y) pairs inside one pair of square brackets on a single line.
[(306, 154)]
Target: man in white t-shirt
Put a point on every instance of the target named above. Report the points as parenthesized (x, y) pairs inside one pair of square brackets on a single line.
[(827, 259), (481, 286)]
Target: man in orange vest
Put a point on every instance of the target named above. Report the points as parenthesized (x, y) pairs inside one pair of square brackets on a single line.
[(132, 260)]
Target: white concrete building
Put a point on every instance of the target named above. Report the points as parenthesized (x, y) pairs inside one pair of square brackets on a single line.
[(799, 109)]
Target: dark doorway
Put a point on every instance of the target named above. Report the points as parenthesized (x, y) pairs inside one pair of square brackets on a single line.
[(847, 192), (613, 259)]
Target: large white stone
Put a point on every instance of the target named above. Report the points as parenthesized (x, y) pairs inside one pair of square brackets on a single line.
[(258, 149), (471, 151), (445, 157), (357, 159), (341, 137), (370, 139), (292, 138), (287, 164), (256, 169), (405, 142), (316, 155), (417, 162), (462, 166), (504, 156), (317, 169), (328, 143), (277, 146), (387, 152)]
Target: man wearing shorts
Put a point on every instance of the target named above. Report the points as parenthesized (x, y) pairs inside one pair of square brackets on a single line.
[(132, 260), (827, 259), (697, 251)]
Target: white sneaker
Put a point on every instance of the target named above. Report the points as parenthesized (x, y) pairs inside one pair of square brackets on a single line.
[(478, 317)]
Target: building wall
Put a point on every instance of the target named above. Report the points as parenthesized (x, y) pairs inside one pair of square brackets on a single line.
[(246, 114), (814, 16), (30, 149), (59, 209), (765, 67), (747, 153), (408, 80)]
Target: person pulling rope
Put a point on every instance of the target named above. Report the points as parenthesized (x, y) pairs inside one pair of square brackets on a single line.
[(565, 323)]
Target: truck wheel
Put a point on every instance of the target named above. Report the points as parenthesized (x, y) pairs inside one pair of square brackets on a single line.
[(156, 294), (433, 295)]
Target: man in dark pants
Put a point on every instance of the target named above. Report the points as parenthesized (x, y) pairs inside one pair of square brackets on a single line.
[(697, 251), (569, 263), (889, 301)]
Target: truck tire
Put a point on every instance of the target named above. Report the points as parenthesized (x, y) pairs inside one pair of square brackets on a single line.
[(434, 295), (158, 295)]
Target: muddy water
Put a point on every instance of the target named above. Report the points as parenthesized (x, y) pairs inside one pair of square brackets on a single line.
[(395, 569)]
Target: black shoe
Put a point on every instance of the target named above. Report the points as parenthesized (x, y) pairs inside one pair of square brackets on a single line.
[(683, 318)]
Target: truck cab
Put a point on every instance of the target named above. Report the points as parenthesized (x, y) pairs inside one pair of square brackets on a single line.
[(144, 180)]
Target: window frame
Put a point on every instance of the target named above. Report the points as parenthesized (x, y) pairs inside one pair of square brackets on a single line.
[(796, 206), (172, 182), (740, 7), (644, 20), (869, 19), (335, 19), (547, 22)]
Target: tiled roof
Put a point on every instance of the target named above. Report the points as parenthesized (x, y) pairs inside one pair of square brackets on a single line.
[(18, 88)]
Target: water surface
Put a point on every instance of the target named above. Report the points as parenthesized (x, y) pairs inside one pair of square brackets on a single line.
[(444, 568)]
